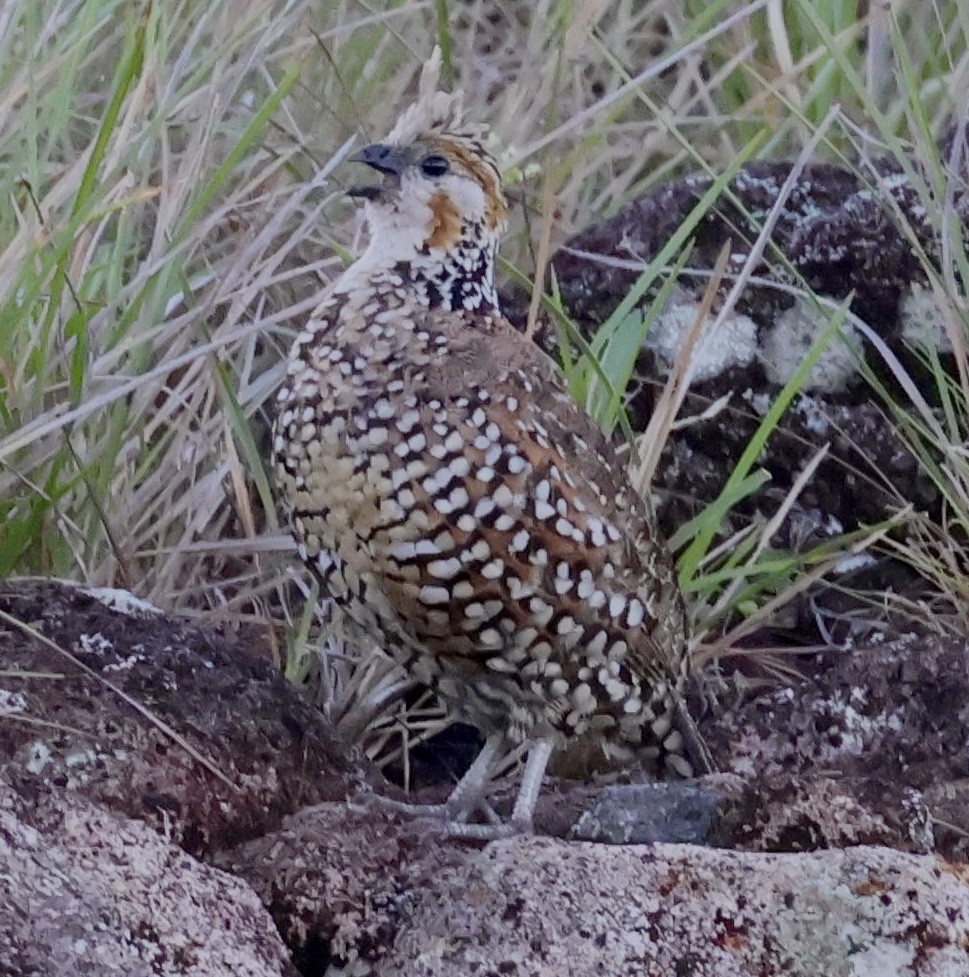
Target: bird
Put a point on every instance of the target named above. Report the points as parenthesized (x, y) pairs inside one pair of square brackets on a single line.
[(457, 503)]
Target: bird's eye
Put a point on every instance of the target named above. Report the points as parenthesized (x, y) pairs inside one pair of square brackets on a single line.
[(434, 166)]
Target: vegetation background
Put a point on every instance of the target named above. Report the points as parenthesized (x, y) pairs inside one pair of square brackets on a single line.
[(172, 203)]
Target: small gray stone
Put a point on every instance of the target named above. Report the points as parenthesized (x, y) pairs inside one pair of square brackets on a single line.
[(629, 814)]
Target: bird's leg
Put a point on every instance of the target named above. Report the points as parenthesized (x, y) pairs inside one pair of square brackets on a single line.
[(539, 752), (538, 756), (468, 794), (470, 790)]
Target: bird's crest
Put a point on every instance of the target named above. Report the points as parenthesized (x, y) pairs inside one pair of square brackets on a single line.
[(433, 111)]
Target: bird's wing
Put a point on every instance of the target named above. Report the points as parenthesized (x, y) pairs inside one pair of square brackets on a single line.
[(530, 519)]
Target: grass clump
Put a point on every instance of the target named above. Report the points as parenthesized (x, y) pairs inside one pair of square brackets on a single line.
[(173, 206)]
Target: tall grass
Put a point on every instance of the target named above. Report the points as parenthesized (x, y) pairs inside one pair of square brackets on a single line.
[(172, 205)]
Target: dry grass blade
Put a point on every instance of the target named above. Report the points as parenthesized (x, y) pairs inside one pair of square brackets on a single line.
[(677, 383)]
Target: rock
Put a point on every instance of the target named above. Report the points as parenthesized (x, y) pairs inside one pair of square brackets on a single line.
[(864, 750), (869, 749), (336, 877), (531, 907), (86, 892), (211, 745), (635, 814)]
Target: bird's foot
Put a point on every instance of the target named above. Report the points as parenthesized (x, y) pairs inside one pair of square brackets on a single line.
[(462, 831), (405, 807), (455, 816)]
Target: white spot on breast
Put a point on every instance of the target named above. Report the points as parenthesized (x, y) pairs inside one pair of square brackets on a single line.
[(439, 481), (484, 507), (519, 541), (543, 510), (518, 591), (503, 496), (454, 442), (493, 570), (490, 638), (480, 551), (408, 420), (636, 613), (617, 652), (434, 595), (403, 550), (542, 611), (444, 569), (564, 528), (597, 645)]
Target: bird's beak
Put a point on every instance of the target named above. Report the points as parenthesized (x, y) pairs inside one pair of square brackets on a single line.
[(389, 160)]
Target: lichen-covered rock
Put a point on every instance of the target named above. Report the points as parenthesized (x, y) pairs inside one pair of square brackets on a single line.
[(336, 877), (869, 749), (539, 908), (180, 724), (86, 892)]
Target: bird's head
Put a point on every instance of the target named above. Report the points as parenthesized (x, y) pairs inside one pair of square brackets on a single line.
[(441, 180), (436, 216)]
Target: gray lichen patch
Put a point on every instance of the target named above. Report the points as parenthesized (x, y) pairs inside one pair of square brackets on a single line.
[(720, 345), (788, 341), (925, 323)]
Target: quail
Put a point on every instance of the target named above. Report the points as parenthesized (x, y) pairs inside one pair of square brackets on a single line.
[(458, 504)]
